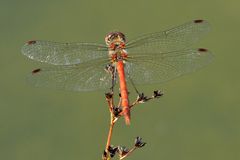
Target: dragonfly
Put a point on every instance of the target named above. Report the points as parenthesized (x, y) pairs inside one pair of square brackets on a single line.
[(151, 58)]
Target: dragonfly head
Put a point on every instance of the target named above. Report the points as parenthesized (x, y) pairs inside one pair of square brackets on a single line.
[(116, 38)]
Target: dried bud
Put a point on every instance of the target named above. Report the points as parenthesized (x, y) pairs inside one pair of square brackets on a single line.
[(112, 150), (104, 155), (122, 150), (142, 98), (139, 143), (157, 94), (117, 111), (109, 95)]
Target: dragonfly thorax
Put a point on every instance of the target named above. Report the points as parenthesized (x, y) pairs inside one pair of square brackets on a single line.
[(116, 46), (118, 55)]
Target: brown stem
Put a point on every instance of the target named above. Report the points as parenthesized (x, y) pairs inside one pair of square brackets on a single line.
[(133, 104), (129, 152), (110, 133), (112, 122)]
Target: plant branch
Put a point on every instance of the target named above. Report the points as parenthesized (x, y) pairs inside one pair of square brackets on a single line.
[(110, 132), (128, 153), (115, 113)]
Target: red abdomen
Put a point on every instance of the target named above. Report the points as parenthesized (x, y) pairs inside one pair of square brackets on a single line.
[(123, 91)]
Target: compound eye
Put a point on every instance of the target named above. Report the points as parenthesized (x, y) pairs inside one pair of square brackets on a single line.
[(108, 39), (111, 37)]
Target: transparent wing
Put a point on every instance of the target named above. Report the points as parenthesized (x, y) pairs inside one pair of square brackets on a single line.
[(157, 67), (63, 53), (80, 77), (174, 39)]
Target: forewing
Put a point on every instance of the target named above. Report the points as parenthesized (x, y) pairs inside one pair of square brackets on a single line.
[(80, 77), (63, 53), (177, 38), (157, 67)]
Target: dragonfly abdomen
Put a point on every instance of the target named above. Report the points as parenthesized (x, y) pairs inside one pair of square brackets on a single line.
[(123, 91)]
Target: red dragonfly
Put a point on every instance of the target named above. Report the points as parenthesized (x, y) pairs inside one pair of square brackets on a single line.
[(152, 58)]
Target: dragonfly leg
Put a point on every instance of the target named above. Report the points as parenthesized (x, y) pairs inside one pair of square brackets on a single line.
[(132, 83), (111, 70), (114, 76)]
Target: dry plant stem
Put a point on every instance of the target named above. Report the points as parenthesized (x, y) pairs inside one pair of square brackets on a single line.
[(110, 132), (109, 98), (110, 104), (129, 152), (137, 102), (134, 103), (120, 101), (112, 122)]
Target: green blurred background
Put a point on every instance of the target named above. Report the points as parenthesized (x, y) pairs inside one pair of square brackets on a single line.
[(197, 118)]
